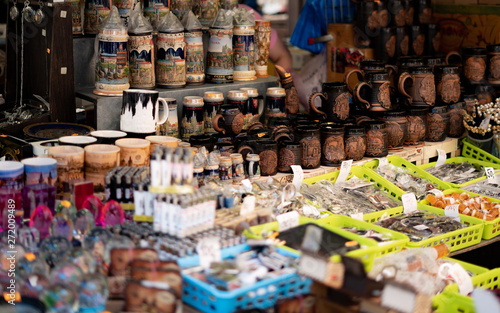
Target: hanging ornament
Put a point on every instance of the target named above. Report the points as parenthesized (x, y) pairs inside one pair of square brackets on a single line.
[(14, 12), (39, 16), (28, 12)]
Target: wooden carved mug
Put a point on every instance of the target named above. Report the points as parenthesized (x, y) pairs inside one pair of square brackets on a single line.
[(422, 87), (334, 101), (232, 120), (375, 94)]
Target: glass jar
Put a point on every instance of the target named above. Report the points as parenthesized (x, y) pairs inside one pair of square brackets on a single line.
[(238, 168), (290, 153), (309, 138), (252, 166), (226, 169), (355, 142), (376, 139), (457, 127), (397, 129), (417, 124), (332, 144), (438, 123)]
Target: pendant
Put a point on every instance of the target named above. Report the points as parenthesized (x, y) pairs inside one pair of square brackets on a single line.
[(39, 16), (28, 13), (14, 13)]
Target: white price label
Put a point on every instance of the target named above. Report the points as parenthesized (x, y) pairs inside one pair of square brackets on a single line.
[(357, 216), (441, 157), (409, 203), (452, 211), (490, 174), (345, 169), (462, 279), (382, 162), (247, 185), (248, 205), (288, 220), (209, 251), (298, 176)]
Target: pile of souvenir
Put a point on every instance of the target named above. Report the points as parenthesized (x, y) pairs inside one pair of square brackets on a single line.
[(479, 207), (403, 179), (456, 173), (353, 196), (421, 225)]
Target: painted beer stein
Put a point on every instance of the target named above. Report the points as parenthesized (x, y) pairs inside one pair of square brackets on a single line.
[(141, 51), (170, 61), (195, 64), (112, 69)]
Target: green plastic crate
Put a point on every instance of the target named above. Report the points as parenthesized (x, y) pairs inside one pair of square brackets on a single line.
[(460, 160), (366, 254), (469, 150), (397, 243), (451, 301), (491, 228), (412, 169), (367, 174), (456, 240)]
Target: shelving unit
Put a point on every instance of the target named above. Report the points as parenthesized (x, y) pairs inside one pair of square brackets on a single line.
[(107, 109)]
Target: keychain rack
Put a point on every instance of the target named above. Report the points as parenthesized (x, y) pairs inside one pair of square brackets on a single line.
[(47, 63)]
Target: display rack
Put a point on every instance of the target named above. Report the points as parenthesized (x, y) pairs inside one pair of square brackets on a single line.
[(108, 109)]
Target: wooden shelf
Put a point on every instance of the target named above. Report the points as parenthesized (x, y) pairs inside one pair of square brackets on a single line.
[(482, 244)]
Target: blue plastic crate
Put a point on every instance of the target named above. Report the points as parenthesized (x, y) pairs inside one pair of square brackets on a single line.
[(263, 294)]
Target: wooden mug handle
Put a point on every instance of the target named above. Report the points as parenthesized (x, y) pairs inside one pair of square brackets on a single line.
[(348, 76), (215, 123), (357, 96), (401, 84), (311, 102), (450, 54)]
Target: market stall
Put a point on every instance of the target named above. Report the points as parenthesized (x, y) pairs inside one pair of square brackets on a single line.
[(196, 181)]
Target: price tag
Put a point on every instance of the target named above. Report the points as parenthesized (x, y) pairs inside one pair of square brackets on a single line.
[(298, 176), (357, 216), (345, 169), (452, 211), (288, 220), (490, 174), (382, 162), (485, 301), (209, 251), (462, 279), (398, 297), (441, 157), (248, 205), (247, 185), (409, 203)]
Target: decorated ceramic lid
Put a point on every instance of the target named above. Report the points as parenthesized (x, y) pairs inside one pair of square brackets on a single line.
[(276, 92), (237, 95), (193, 101), (213, 96), (251, 92), (191, 22), (138, 24)]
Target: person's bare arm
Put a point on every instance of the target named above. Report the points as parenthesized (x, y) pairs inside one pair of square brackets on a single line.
[(280, 55)]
